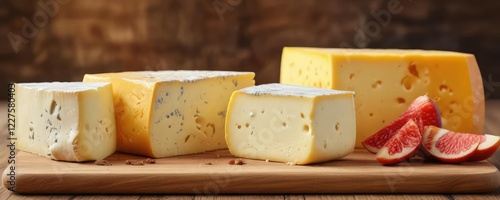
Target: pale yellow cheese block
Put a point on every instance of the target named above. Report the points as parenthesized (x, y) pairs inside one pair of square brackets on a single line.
[(291, 124), (170, 113), (70, 121), (387, 81)]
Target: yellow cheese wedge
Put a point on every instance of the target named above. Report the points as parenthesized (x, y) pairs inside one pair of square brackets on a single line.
[(170, 113), (387, 81), (66, 121), (291, 124)]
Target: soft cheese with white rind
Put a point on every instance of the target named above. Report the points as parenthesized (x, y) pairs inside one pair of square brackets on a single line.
[(170, 113), (71, 121), (291, 124), (386, 81)]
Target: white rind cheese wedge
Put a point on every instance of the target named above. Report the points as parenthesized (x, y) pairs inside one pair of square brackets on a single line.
[(70, 121), (387, 81), (170, 113), (291, 124)]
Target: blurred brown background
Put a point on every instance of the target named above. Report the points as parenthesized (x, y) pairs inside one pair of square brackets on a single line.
[(60, 40)]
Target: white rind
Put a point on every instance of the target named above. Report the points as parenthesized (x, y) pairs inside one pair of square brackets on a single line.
[(176, 75), (384, 153), (63, 86), (378, 52), (276, 89), (436, 152), (489, 141), (371, 149)]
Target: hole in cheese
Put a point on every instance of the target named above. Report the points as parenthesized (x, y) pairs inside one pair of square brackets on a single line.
[(53, 105), (212, 125), (337, 126), (400, 100), (377, 84), (412, 68), (407, 83), (302, 115), (199, 121), (443, 88), (306, 128), (31, 133)]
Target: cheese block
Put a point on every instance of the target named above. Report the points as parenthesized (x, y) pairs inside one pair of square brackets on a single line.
[(292, 124), (387, 81), (170, 113), (70, 121)]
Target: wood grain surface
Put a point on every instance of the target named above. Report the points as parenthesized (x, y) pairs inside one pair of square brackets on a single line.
[(492, 119), (122, 35), (209, 173)]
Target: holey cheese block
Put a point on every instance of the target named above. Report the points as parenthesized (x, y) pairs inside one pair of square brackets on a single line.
[(387, 81), (292, 124), (70, 121), (170, 113)]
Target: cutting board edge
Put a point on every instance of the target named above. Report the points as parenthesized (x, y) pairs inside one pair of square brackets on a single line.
[(485, 180), (312, 187)]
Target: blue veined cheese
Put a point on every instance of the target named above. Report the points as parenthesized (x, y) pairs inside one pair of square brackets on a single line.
[(170, 113), (291, 124), (70, 121)]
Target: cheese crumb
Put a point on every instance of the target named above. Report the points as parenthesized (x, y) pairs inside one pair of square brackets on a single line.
[(134, 162), (150, 161), (103, 163)]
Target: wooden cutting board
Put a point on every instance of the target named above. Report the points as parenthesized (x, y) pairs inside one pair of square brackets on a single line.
[(210, 173)]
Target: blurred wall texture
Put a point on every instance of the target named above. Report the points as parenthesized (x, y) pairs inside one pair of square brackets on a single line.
[(60, 40)]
